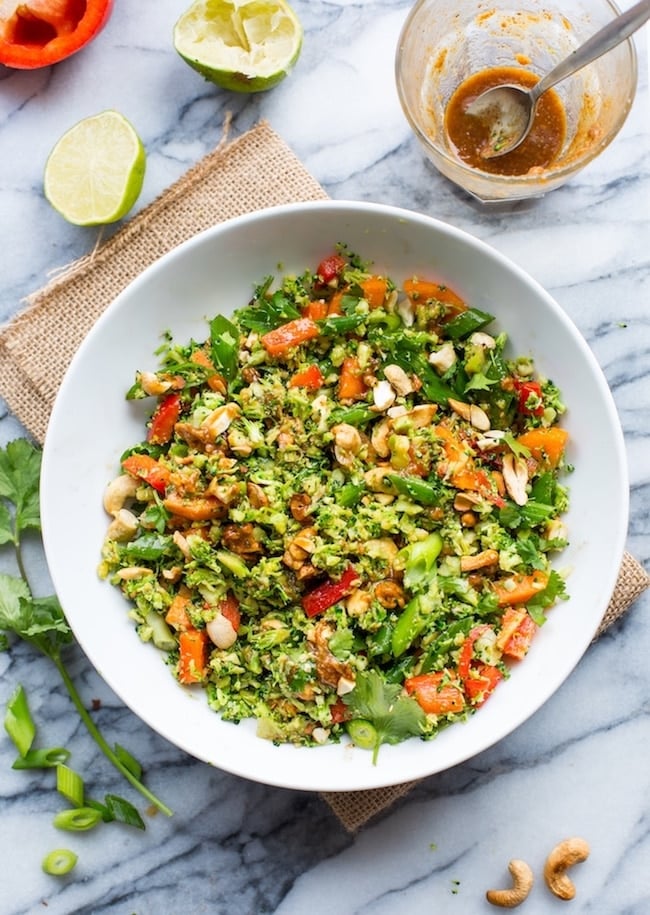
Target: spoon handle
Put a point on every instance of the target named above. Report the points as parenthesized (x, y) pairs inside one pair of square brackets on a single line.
[(604, 40)]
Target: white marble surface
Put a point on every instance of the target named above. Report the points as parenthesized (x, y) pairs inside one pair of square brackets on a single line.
[(580, 765)]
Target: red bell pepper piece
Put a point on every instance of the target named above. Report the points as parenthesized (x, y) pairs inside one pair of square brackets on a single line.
[(467, 650), (330, 269), (329, 593), (229, 607), (529, 394), (164, 419), (311, 378), (479, 687), (37, 33), (147, 469)]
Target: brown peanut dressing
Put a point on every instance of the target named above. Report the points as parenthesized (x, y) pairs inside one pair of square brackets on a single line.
[(470, 135)]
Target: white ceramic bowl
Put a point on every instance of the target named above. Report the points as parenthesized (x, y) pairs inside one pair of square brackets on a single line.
[(92, 424)]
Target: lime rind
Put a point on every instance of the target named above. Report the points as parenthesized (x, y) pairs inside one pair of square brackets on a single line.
[(95, 172), (241, 45)]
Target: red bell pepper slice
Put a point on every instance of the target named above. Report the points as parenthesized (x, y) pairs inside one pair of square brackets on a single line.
[(482, 683), (38, 33), (164, 419), (329, 593), (229, 607), (147, 469), (467, 650), (529, 390), (310, 378), (330, 269)]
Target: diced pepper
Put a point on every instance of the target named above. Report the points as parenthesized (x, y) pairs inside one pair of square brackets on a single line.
[(177, 616), (339, 712), (329, 593), (215, 382), (147, 469), (316, 310), (310, 378), (481, 683), (529, 397), (419, 290), (229, 607), (38, 33), (193, 655), (517, 632), (374, 291), (164, 419), (279, 341), (330, 269), (545, 445), (467, 650), (434, 695), (351, 383), (518, 589)]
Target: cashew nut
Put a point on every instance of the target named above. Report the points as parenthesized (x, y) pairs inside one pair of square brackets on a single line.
[(564, 856), (522, 882), (123, 526), (118, 491), (399, 379), (383, 395), (474, 415), (221, 631), (515, 476)]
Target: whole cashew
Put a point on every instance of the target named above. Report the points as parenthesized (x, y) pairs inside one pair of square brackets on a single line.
[(522, 882), (564, 856)]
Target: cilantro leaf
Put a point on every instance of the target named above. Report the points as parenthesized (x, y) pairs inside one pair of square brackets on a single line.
[(555, 590), (393, 716), (20, 468)]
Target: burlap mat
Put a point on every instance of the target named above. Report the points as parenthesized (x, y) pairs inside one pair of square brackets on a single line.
[(256, 170)]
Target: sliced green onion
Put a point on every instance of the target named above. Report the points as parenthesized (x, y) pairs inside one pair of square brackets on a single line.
[(59, 862), (70, 784), (45, 758), (18, 721), (78, 820), (123, 811), (362, 733), (128, 760)]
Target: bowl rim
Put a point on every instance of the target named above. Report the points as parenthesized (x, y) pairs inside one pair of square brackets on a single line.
[(370, 777), (514, 181)]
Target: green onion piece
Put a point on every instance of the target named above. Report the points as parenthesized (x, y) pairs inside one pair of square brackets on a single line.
[(59, 862), (232, 563), (362, 733), (45, 758), (78, 820), (18, 721), (128, 760), (160, 631), (70, 784)]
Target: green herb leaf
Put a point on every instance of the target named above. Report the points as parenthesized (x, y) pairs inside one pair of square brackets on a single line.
[(267, 311), (20, 468), (123, 811), (393, 716), (224, 344)]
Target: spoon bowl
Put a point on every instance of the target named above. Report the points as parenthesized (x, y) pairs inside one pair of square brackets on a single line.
[(509, 110)]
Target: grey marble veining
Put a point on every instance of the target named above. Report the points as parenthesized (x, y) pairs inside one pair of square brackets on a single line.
[(580, 765)]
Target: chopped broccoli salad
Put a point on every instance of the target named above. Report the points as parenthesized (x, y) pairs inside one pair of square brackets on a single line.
[(342, 515)]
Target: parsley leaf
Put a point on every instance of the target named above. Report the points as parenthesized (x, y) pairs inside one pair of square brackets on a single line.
[(393, 716)]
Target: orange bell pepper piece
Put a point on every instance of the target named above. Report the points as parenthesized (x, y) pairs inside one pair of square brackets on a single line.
[(434, 697), (545, 445), (351, 384), (193, 655), (518, 589), (281, 339)]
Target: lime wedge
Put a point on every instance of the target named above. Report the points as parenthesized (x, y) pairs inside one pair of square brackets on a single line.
[(95, 172), (241, 45)]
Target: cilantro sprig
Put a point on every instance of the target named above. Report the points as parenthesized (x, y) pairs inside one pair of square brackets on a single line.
[(40, 621), (381, 713)]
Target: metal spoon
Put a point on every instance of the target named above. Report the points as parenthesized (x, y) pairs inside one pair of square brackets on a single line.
[(510, 110)]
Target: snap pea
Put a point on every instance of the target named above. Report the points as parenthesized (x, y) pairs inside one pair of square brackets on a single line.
[(409, 625), (419, 490), (466, 323)]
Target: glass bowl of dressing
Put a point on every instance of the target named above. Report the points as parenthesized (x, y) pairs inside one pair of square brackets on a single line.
[(448, 53)]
